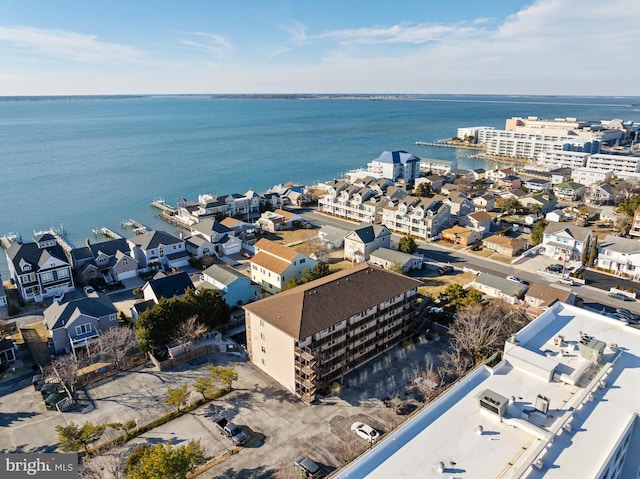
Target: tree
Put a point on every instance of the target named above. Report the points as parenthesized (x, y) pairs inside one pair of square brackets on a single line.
[(585, 250), (177, 396), (66, 370), (629, 206), (535, 208), (593, 255), (623, 224), (455, 296), (422, 190), (72, 438), (291, 283), (509, 205), (228, 376), (188, 331), (408, 245), (320, 270), (117, 344), (537, 232), (205, 386), (164, 461)]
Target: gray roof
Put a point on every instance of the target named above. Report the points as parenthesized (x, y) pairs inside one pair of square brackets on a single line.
[(620, 245), (508, 287), (29, 253), (579, 233), (369, 233), (153, 239), (333, 233), (209, 226), (393, 255), (172, 285), (224, 274), (58, 315)]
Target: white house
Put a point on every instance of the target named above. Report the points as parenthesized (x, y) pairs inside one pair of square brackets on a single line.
[(359, 244), (156, 248), (620, 255), (564, 240), (396, 165), (274, 264), (389, 258)]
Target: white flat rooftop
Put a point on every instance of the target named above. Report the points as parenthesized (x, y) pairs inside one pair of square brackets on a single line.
[(590, 408)]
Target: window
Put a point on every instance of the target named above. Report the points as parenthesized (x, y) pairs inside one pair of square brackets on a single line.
[(261, 322), (161, 249), (264, 350), (124, 262), (264, 363), (83, 329), (302, 260), (262, 336), (47, 276), (63, 273)]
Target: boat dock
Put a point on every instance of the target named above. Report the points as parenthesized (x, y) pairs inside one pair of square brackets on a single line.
[(10, 238), (163, 206), (174, 220), (60, 235), (137, 227), (104, 231), (445, 144)]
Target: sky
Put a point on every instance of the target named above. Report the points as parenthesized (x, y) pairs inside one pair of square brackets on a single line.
[(535, 47)]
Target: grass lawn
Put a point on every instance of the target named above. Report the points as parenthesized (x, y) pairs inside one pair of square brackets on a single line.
[(434, 283)]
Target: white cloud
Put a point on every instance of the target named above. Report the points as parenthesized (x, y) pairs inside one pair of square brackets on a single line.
[(216, 44), (69, 45)]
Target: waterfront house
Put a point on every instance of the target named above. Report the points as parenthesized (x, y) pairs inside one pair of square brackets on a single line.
[(478, 220), (504, 245), (78, 323), (359, 243), (600, 194), (479, 174), (271, 200), (39, 269), (236, 288), (241, 229), (156, 249), (461, 235), (279, 220), (396, 165), (434, 181), (167, 286), (110, 261), (244, 206), (569, 190), (510, 182), (310, 336), (332, 236), (390, 259), (565, 240), (199, 247), (620, 256), (346, 200), (498, 287), (274, 264), (222, 237), (496, 174), (485, 202), (536, 185)]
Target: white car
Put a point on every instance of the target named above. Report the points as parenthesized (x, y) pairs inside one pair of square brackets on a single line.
[(365, 431), (568, 281), (518, 280), (88, 290), (58, 296)]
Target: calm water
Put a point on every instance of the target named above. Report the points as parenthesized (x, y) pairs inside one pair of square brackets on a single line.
[(94, 162)]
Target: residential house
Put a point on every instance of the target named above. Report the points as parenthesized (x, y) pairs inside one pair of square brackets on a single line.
[(359, 243), (479, 174), (279, 220), (208, 205), (271, 200), (332, 236), (391, 259), (635, 224), (138, 308), (244, 206), (600, 194), (236, 288), (396, 165), (620, 256), (40, 268), (199, 247), (498, 287), (461, 235), (505, 246), (310, 336), (167, 286), (545, 201), (539, 297), (510, 182), (560, 175), (497, 174), (459, 205), (556, 215), (358, 203), (110, 261), (478, 220), (449, 189), (513, 194), (7, 351), (422, 218), (591, 176), (78, 323), (156, 249), (274, 264), (569, 190), (241, 229), (565, 240), (3, 294), (536, 185), (434, 181), (219, 235), (484, 202)]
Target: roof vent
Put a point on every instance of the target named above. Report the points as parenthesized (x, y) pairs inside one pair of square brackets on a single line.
[(441, 467), (479, 430)]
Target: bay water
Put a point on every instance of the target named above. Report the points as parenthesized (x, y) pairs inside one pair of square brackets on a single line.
[(89, 162)]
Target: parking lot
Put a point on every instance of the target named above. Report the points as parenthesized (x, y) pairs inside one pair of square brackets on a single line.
[(282, 426)]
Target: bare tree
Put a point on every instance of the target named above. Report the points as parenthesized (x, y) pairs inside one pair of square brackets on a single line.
[(347, 450), (117, 344), (188, 331), (319, 249), (108, 465), (428, 382), (286, 471), (65, 368)]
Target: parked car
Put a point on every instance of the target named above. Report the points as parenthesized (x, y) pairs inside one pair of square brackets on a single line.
[(620, 296), (365, 431), (445, 269), (619, 317), (628, 314), (567, 281), (233, 432), (88, 290), (555, 268), (58, 296), (518, 280), (307, 468)]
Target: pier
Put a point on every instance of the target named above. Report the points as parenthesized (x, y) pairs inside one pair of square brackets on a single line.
[(7, 240), (60, 235), (137, 227), (446, 144), (163, 206), (174, 220), (104, 231)]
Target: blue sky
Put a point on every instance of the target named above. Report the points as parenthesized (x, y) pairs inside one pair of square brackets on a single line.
[(564, 47)]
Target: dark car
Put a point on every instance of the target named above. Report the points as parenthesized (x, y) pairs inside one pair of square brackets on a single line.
[(445, 269), (621, 296), (633, 317), (555, 268), (307, 468)]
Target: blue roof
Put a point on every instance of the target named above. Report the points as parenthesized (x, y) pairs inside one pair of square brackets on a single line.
[(400, 156)]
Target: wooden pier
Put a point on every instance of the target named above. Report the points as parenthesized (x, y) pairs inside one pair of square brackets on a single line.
[(174, 220), (137, 227), (163, 206), (60, 235), (104, 231)]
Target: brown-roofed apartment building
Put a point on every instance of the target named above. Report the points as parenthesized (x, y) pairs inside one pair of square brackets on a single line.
[(310, 336), (274, 264)]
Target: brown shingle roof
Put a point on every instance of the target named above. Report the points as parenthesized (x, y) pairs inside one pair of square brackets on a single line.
[(504, 241), (305, 310), (548, 294), (480, 215), (270, 262), (276, 249)]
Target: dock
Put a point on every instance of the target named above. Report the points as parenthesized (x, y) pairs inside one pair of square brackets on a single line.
[(163, 206), (60, 235), (137, 227), (445, 144), (174, 220), (7, 240), (104, 231)]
